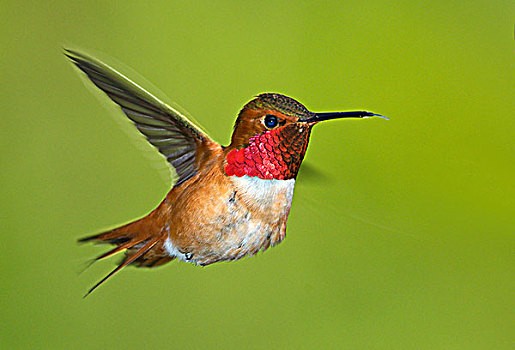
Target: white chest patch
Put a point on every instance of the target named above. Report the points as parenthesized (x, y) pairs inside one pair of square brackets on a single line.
[(264, 191)]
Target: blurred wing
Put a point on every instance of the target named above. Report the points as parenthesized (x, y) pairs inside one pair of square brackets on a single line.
[(165, 128)]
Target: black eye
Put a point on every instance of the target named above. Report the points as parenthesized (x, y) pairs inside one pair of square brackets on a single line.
[(271, 121)]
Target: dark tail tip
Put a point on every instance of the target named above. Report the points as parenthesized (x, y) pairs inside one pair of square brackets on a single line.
[(87, 239)]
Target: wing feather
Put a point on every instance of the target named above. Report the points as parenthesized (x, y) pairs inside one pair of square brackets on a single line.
[(166, 129)]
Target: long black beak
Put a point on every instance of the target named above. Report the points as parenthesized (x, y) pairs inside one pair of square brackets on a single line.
[(318, 117)]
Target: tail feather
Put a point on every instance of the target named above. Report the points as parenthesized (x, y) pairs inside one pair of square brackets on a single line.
[(121, 247), (144, 249), (98, 239), (117, 236), (153, 261), (138, 239)]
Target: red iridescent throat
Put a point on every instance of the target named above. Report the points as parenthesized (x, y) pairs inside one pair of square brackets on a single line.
[(275, 154)]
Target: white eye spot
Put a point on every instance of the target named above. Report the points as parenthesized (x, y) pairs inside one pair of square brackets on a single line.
[(301, 129)]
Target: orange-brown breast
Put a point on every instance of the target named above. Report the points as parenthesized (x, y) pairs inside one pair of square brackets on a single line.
[(214, 217)]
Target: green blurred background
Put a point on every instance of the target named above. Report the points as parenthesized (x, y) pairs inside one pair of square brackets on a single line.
[(401, 234)]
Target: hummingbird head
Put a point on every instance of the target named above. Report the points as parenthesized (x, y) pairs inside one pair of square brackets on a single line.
[(271, 136)]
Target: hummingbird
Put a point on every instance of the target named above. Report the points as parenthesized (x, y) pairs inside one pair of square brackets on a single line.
[(228, 202)]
